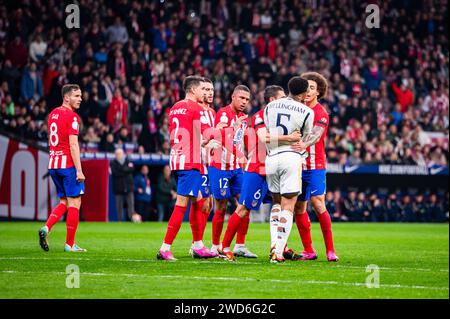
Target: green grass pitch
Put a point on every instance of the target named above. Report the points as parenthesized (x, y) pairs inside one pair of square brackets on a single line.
[(413, 261)]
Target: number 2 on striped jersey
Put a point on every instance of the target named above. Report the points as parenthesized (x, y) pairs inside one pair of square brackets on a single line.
[(177, 127)]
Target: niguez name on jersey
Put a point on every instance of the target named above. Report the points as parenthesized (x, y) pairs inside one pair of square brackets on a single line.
[(257, 150), (317, 158), (62, 122), (185, 135), (225, 158)]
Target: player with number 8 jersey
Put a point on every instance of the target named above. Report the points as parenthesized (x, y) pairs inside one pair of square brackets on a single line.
[(65, 166)]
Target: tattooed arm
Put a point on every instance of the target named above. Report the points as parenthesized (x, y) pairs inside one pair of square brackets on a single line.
[(310, 139)]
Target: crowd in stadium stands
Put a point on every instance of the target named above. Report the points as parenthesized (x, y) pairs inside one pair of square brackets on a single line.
[(388, 97), (354, 205)]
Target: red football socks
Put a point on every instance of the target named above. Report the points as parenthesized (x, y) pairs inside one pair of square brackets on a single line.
[(325, 225), (304, 229), (242, 230), (196, 219), (205, 221), (234, 223), (174, 224), (71, 225), (56, 215), (217, 226)]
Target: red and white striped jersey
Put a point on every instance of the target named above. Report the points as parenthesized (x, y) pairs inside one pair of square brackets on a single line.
[(225, 158), (257, 151), (207, 117), (185, 135), (317, 157), (62, 122)]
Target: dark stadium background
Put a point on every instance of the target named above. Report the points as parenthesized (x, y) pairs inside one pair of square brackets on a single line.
[(388, 97)]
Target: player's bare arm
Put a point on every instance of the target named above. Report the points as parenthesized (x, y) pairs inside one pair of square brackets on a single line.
[(265, 137), (311, 139), (75, 153)]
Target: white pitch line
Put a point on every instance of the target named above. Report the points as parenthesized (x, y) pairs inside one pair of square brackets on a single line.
[(306, 282), (213, 261)]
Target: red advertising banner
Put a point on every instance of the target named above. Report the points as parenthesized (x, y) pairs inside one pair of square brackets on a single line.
[(27, 191), (94, 203)]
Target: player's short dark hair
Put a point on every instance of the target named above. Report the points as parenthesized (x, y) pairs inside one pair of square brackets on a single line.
[(271, 91), (68, 88), (297, 85), (241, 88), (205, 79), (322, 83), (191, 81)]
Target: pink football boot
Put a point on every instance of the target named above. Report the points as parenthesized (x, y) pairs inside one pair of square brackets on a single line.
[(306, 256), (165, 255), (204, 252), (331, 256)]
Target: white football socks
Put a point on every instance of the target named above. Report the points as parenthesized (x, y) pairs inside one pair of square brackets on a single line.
[(197, 245), (165, 247), (274, 217), (283, 231)]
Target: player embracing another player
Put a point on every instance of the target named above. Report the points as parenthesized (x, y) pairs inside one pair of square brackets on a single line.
[(254, 185), (283, 164), (314, 172), (65, 167)]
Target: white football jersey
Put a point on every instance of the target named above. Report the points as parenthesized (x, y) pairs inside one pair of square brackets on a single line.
[(285, 116)]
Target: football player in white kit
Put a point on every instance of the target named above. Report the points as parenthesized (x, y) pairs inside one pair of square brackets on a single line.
[(283, 164)]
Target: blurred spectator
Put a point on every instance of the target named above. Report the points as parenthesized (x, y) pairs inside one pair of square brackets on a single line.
[(31, 84), (37, 49), (407, 209), (107, 144), (393, 207), (404, 96), (117, 111), (117, 32), (122, 176), (351, 207), (165, 194), (143, 193)]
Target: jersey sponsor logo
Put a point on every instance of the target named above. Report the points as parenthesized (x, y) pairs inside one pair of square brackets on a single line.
[(55, 116)]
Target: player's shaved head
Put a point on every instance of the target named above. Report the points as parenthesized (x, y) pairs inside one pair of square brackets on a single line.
[(241, 88), (207, 80), (68, 89), (322, 83), (297, 86), (192, 81), (272, 91)]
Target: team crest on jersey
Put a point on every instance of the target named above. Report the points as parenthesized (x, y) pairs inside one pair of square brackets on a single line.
[(224, 118), (75, 124), (254, 203), (206, 190), (223, 192)]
